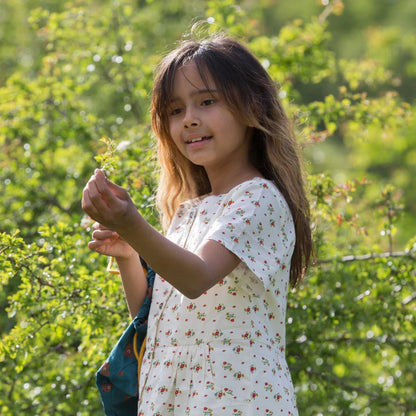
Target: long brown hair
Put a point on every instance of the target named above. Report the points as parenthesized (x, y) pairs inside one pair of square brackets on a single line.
[(251, 95)]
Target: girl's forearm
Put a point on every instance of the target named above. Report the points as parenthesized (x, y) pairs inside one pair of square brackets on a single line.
[(134, 282), (186, 271)]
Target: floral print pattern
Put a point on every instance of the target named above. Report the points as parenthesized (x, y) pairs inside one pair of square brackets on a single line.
[(224, 352)]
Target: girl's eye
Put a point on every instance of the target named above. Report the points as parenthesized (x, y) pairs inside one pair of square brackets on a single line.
[(208, 101), (174, 111)]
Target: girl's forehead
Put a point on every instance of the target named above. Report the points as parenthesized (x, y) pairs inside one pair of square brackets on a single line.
[(189, 74)]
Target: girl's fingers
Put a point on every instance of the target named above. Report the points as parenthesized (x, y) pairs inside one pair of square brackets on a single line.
[(87, 204), (101, 183), (93, 202), (98, 246), (104, 201), (109, 189), (117, 190), (91, 206), (98, 197), (107, 247), (104, 234)]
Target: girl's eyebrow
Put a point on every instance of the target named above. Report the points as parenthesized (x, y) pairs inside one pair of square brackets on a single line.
[(196, 92)]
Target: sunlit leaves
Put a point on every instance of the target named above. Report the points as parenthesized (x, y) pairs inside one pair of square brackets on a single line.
[(60, 285), (107, 159), (362, 326), (298, 52)]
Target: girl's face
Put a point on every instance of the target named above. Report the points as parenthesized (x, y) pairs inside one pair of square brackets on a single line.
[(203, 128)]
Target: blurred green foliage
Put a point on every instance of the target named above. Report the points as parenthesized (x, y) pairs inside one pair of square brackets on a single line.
[(75, 81)]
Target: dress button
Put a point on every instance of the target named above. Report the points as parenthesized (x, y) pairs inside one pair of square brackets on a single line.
[(160, 305)]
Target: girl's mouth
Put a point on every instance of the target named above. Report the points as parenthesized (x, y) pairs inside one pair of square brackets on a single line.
[(198, 139)]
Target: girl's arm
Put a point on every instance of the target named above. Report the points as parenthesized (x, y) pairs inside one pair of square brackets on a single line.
[(192, 274), (133, 278), (134, 282)]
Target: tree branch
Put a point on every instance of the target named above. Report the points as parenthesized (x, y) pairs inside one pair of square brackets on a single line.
[(328, 10), (368, 256)]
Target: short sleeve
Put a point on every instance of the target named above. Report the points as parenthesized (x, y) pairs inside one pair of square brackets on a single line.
[(256, 225)]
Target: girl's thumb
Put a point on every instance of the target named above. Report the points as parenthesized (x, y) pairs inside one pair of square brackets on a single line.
[(117, 190)]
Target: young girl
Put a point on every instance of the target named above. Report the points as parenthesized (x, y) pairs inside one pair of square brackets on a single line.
[(232, 196)]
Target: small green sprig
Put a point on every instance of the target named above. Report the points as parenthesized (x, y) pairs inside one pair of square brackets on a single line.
[(108, 159), (108, 162)]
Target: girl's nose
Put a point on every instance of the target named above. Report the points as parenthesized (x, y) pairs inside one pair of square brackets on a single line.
[(190, 119)]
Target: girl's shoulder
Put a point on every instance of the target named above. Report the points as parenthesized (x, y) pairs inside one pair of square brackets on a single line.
[(256, 184), (260, 192), (255, 189)]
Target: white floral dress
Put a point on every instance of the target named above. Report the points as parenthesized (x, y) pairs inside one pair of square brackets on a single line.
[(224, 352)]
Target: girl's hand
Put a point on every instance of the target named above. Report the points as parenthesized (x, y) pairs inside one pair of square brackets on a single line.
[(108, 203), (109, 243)]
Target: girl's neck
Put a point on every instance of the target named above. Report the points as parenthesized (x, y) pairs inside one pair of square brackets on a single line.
[(222, 183)]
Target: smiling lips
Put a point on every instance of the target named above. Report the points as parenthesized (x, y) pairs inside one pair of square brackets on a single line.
[(197, 139)]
